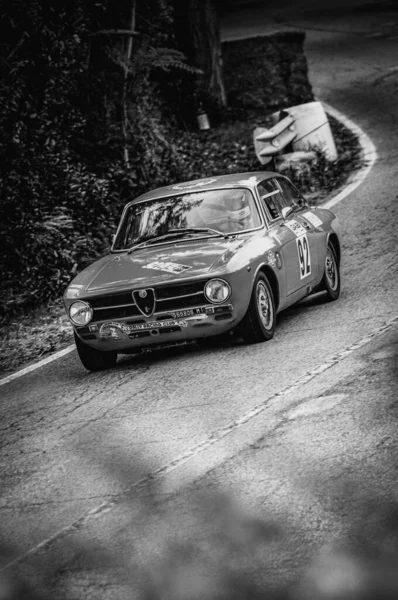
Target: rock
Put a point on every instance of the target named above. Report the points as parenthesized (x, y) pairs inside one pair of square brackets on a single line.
[(267, 71)]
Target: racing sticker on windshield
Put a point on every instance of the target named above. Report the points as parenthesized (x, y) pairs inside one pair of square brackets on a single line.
[(303, 250), (170, 267), (296, 227), (316, 222)]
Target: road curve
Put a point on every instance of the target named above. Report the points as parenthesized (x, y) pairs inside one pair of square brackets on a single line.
[(74, 445)]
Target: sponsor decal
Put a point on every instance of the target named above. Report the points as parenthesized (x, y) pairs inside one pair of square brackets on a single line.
[(271, 259), (189, 186), (114, 330), (296, 227), (169, 267), (313, 219), (145, 301), (303, 250)]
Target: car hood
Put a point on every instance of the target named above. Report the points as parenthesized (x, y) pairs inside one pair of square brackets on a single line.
[(153, 265)]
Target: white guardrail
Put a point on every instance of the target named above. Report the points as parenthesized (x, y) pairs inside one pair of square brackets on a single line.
[(305, 126), (268, 142)]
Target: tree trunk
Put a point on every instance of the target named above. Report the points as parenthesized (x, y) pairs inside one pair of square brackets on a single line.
[(198, 35)]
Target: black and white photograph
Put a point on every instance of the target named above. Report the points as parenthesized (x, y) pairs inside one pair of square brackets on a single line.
[(199, 300)]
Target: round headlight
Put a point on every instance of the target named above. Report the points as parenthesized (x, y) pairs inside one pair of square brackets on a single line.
[(80, 313), (217, 290)]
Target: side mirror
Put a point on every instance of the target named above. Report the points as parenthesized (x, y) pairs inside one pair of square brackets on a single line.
[(286, 211)]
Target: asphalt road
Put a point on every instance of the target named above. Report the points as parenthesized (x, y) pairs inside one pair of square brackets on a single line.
[(105, 470)]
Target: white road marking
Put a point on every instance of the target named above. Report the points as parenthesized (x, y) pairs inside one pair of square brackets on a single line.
[(212, 439), (37, 365), (370, 155)]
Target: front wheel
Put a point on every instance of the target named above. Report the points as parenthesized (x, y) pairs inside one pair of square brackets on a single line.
[(331, 277), (92, 359), (258, 324)]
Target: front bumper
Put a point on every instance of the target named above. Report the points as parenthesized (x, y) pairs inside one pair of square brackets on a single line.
[(180, 326)]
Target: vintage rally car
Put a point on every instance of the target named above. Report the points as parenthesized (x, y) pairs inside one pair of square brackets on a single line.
[(199, 259)]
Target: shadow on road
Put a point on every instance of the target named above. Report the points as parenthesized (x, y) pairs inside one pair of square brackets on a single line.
[(205, 545)]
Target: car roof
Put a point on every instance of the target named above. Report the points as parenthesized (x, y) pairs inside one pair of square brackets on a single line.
[(249, 179)]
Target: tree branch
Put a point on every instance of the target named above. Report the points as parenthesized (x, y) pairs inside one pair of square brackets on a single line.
[(126, 32)]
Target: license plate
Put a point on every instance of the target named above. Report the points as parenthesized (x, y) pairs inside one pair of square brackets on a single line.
[(155, 325), (190, 312)]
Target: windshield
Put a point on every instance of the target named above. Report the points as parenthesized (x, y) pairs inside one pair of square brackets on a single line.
[(227, 211)]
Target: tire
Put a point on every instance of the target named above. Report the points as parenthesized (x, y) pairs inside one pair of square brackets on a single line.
[(92, 359), (331, 278), (258, 324)]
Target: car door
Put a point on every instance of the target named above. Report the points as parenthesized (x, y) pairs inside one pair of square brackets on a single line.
[(308, 242), (289, 233)]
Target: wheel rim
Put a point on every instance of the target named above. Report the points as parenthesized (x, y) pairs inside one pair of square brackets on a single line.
[(331, 270), (264, 305)]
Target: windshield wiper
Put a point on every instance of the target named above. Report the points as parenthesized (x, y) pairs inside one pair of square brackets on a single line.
[(172, 233), (199, 230)]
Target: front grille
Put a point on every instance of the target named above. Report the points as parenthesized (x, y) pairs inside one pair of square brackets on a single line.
[(119, 299), (168, 299), (179, 303), (116, 312), (184, 289)]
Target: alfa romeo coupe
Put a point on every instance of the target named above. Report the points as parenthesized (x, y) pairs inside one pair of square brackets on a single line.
[(198, 259)]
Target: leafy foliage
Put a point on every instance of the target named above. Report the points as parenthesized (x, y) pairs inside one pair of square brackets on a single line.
[(63, 179)]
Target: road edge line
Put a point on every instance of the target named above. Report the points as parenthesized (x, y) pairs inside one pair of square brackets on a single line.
[(369, 153), (41, 363)]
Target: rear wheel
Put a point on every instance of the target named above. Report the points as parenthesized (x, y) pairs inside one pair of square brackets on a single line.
[(258, 325), (331, 277), (92, 359)]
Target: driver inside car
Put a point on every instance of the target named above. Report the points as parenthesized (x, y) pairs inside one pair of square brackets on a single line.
[(229, 214)]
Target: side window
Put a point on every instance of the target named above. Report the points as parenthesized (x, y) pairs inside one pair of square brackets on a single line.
[(271, 198), (291, 194)]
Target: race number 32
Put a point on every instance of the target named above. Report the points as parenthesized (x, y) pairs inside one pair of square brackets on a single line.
[(303, 250)]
